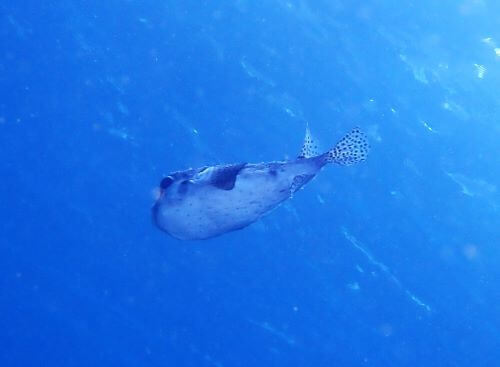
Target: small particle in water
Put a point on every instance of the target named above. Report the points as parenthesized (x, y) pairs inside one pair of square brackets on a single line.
[(481, 70), (487, 40), (427, 126), (195, 131), (386, 329), (353, 286), (119, 133), (371, 105), (470, 251), (396, 194), (290, 112), (122, 108)]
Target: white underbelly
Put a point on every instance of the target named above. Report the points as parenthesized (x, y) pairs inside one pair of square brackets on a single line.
[(212, 211)]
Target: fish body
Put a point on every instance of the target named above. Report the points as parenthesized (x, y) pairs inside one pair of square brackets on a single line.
[(206, 202)]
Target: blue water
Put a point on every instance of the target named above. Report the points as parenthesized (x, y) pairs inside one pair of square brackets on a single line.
[(392, 262)]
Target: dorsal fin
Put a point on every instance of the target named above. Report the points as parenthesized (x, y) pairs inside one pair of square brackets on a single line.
[(309, 147)]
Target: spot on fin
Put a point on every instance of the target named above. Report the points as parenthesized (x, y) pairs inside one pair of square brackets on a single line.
[(224, 177), (309, 147), (351, 149)]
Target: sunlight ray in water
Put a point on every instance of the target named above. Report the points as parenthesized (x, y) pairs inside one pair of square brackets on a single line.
[(383, 268), (273, 331)]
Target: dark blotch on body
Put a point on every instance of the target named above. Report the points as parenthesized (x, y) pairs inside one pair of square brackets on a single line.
[(225, 177), (166, 182)]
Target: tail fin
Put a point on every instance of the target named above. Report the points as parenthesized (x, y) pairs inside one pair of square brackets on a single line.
[(351, 149)]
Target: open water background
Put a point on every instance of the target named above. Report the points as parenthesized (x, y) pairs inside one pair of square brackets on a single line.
[(393, 262)]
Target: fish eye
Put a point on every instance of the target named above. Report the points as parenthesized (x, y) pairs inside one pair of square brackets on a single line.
[(166, 182)]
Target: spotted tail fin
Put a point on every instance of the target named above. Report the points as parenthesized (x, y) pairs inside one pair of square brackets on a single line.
[(351, 149)]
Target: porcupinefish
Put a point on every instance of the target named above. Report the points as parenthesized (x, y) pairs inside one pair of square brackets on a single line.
[(201, 203)]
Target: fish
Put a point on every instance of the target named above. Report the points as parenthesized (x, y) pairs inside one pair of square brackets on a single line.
[(206, 202)]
